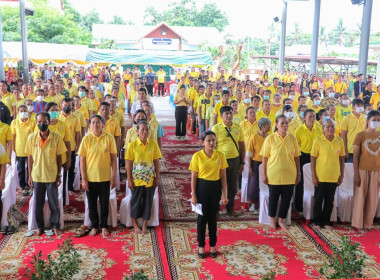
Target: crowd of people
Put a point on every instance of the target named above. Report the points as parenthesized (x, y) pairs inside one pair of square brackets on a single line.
[(279, 122)]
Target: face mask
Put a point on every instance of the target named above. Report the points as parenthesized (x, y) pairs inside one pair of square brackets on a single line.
[(266, 97), (43, 127), (54, 115), (30, 108), (291, 97), (66, 110), (218, 101), (374, 124), (325, 118), (257, 82), (306, 93), (247, 100), (92, 87), (82, 94), (225, 88), (70, 84), (359, 110), (332, 94), (23, 115), (317, 102), (288, 115), (265, 84), (276, 103), (346, 102), (302, 114), (40, 98)]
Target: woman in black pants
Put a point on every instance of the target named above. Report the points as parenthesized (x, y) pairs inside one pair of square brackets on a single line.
[(281, 169), (208, 185), (181, 100)]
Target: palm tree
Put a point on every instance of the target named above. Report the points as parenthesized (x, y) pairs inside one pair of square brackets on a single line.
[(340, 31), (271, 35), (324, 38), (297, 35)]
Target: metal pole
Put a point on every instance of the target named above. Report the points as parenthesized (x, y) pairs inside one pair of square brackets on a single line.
[(314, 44), (283, 37), (364, 38), (2, 73), (24, 39)]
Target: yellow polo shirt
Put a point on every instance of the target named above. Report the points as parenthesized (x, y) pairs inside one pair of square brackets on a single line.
[(353, 126), (119, 118), (143, 156), (375, 99), (255, 143), (341, 112), (260, 114), (248, 130), (73, 125), (340, 87), (81, 118), (224, 142), (87, 104), (161, 76), (327, 154), (281, 168), (22, 130), (56, 99), (45, 169), (293, 125), (9, 99), (327, 84), (84, 112), (97, 151), (182, 103), (5, 135), (305, 137), (217, 111), (208, 168), (112, 127)]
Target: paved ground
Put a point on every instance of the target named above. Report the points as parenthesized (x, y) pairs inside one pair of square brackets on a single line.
[(163, 110)]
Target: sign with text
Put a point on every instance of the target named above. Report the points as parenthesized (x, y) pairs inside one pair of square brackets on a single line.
[(161, 41)]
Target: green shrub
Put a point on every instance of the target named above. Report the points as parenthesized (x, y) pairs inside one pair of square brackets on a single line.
[(137, 276)]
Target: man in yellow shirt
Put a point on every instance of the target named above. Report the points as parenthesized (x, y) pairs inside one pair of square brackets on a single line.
[(344, 108), (225, 102), (266, 112), (375, 100), (230, 141), (352, 125), (340, 87), (21, 128), (44, 149), (80, 113), (74, 126), (273, 88), (7, 98), (161, 81), (111, 125), (204, 102), (328, 82)]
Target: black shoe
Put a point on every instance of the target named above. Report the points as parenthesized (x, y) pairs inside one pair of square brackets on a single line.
[(213, 254), (201, 255)]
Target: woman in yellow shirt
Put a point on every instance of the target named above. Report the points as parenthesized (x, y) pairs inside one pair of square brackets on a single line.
[(331, 110), (98, 169), (281, 169), (21, 128), (143, 174), (237, 117), (305, 134), (208, 186), (254, 159), (181, 100), (314, 85), (327, 169)]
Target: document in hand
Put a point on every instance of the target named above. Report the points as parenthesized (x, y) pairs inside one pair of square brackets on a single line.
[(197, 208)]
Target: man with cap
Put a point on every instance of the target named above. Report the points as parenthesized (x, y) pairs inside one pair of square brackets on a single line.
[(230, 141), (359, 86)]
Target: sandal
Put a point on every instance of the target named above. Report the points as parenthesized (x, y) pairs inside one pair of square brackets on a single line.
[(82, 231)]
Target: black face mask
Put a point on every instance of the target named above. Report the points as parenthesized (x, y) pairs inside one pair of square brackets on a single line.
[(70, 84), (66, 110), (43, 127), (136, 122)]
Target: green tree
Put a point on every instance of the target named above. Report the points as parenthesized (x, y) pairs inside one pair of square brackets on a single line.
[(339, 33), (185, 13), (91, 18), (117, 20), (10, 17), (296, 36)]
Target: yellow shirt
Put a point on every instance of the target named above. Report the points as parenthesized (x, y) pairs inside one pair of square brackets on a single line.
[(45, 169), (341, 112), (22, 130), (327, 154), (97, 151), (9, 99), (5, 135), (143, 156), (84, 112), (293, 125), (112, 127), (119, 118), (260, 114), (305, 137), (161, 76), (281, 167), (56, 99), (316, 110), (340, 87), (273, 89), (178, 97), (353, 126), (375, 99), (73, 124), (255, 143), (86, 103), (327, 84), (249, 129), (217, 111), (208, 168), (275, 109), (238, 118), (224, 142), (81, 118)]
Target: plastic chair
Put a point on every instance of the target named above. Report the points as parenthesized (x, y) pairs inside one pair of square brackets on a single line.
[(346, 194)]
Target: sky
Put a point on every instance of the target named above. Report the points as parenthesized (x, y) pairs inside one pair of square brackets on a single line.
[(246, 17)]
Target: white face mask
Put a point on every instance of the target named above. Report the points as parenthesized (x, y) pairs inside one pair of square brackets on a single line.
[(289, 115), (30, 108), (332, 94), (374, 124), (291, 97), (359, 110), (40, 98), (23, 115), (346, 102)]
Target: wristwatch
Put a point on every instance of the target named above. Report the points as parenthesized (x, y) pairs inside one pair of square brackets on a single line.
[(192, 193), (59, 175)]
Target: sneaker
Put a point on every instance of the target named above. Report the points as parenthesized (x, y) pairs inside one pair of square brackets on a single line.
[(252, 208)]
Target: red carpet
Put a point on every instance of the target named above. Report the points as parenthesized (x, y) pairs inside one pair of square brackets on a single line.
[(170, 140), (176, 159)]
